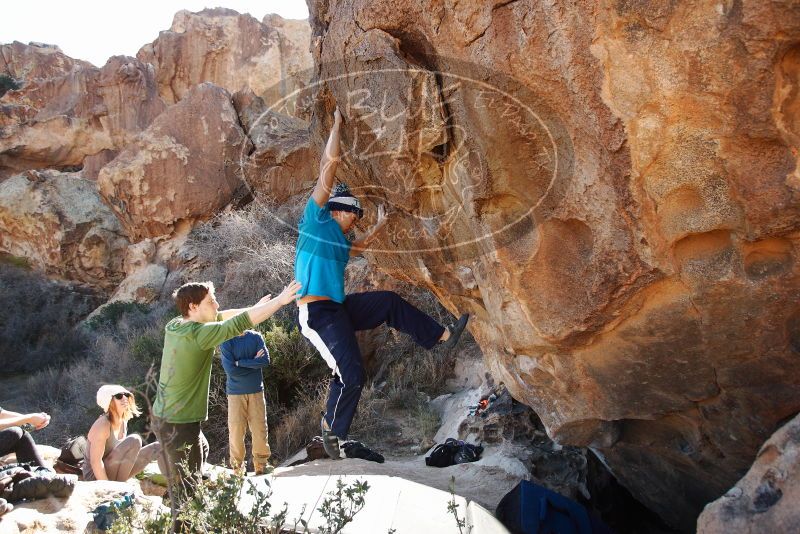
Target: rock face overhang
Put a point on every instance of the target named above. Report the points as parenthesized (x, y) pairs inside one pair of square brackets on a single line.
[(612, 191)]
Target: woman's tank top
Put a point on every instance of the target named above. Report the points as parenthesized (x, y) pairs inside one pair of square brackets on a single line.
[(111, 442)]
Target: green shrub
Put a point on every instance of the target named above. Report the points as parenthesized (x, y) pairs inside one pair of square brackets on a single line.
[(147, 346), (214, 507), (110, 314), (7, 83), (341, 505), (15, 261), (294, 362)]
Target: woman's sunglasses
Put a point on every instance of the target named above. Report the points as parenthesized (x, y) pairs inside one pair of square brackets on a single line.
[(119, 396)]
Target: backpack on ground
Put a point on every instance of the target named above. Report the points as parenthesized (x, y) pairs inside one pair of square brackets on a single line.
[(70, 462), (453, 451), (533, 509)]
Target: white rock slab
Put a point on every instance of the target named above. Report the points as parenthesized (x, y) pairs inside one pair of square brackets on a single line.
[(391, 503)]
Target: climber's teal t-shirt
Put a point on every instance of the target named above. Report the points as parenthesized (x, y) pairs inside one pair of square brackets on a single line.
[(322, 254)]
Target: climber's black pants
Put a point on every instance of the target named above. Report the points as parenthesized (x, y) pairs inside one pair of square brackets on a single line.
[(331, 328)]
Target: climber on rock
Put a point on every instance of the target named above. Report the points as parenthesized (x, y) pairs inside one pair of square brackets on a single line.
[(328, 317)]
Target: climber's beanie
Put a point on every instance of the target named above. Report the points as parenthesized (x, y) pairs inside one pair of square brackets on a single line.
[(343, 200)]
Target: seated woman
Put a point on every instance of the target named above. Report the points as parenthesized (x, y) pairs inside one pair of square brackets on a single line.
[(111, 454), (14, 439)]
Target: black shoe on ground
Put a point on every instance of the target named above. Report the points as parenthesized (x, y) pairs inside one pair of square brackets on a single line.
[(330, 442), (455, 332), (356, 449)]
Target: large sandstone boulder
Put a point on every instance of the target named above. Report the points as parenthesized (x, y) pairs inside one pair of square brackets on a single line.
[(77, 119), (230, 50), (766, 499), (152, 266), (611, 191), (59, 224), (185, 167), (25, 62), (284, 163)]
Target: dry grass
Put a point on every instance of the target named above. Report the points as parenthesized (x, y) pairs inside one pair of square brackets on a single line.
[(38, 319), (371, 424), (422, 371), (298, 425), (247, 253), (68, 393), (120, 352)]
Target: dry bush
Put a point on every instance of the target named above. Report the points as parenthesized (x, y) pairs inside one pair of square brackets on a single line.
[(38, 319), (247, 253), (421, 371), (120, 352), (371, 424), (298, 425), (68, 393), (426, 421)]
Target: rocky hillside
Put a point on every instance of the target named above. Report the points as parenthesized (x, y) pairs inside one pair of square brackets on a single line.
[(103, 171), (610, 188)]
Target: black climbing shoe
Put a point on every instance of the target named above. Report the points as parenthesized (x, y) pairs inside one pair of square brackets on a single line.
[(356, 449), (329, 440), (455, 332)]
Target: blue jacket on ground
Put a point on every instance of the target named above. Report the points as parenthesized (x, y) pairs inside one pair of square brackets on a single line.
[(242, 368)]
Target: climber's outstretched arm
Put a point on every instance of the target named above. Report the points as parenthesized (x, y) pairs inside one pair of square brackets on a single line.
[(328, 163)]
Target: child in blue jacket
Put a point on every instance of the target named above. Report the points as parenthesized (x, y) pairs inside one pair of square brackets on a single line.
[(243, 357)]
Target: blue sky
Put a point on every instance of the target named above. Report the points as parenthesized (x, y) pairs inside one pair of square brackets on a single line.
[(95, 30)]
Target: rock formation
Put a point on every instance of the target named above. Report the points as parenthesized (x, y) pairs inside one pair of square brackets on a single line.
[(68, 115), (58, 223), (230, 50), (33, 61), (611, 191), (184, 167), (81, 118), (284, 162), (765, 500)]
